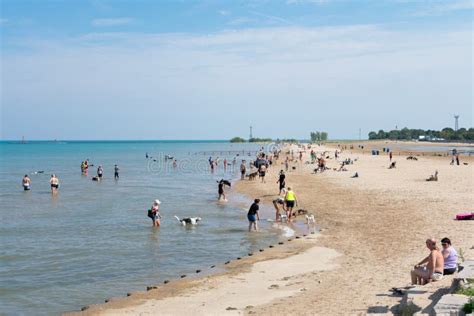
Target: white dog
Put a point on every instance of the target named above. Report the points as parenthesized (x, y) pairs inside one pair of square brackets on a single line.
[(310, 219), (188, 220)]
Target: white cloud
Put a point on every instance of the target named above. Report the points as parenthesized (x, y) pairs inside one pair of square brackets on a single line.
[(224, 12), (441, 8), (111, 21)]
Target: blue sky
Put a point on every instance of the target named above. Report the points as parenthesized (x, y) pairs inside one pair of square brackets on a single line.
[(208, 69)]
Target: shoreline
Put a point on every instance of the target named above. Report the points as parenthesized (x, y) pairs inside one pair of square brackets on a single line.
[(343, 230)]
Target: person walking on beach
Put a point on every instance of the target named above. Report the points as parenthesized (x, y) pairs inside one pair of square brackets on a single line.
[(430, 268), (243, 169), (54, 182), (457, 159), (225, 164), (253, 215), (262, 171), (100, 172), (286, 163), (290, 201), (26, 182), (116, 172), (281, 181), (154, 213), (390, 155)]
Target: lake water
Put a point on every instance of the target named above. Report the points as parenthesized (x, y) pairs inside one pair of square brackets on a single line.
[(93, 240)]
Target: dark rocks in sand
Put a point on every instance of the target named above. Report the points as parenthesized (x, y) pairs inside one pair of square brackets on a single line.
[(129, 294), (84, 308), (261, 250), (183, 276), (238, 258), (227, 262), (151, 287), (107, 300), (297, 237), (271, 246), (250, 254), (198, 271), (281, 243), (166, 281), (231, 308)]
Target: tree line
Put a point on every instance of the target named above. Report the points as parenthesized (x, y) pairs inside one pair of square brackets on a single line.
[(446, 133), (318, 136)]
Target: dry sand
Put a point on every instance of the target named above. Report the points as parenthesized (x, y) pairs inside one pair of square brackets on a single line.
[(373, 232)]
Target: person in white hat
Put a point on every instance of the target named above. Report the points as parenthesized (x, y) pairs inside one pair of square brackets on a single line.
[(154, 213)]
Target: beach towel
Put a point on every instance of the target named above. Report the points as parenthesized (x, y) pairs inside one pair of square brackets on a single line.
[(464, 216)]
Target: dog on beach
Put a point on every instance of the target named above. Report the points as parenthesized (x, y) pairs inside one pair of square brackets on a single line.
[(188, 220), (310, 219), (253, 175)]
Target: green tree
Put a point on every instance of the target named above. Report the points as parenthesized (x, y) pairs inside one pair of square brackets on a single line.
[(237, 140)]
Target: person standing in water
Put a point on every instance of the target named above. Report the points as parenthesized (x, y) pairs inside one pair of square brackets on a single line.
[(281, 180), (54, 182), (276, 203), (253, 215), (26, 183), (243, 169), (116, 172), (100, 172), (220, 191), (154, 213)]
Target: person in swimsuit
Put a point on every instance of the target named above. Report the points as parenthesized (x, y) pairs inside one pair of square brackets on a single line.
[(281, 181), (26, 183), (450, 257), (154, 213), (290, 200), (220, 190), (253, 216), (116, 172), (430, 268), (54, 182), (276, 203), (243, 169), (262, 171), (100, 172)]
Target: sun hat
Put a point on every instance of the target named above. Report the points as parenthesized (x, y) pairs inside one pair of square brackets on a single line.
[(157, 201)]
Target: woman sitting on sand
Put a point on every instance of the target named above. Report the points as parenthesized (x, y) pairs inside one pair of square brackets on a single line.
[(450, 257)]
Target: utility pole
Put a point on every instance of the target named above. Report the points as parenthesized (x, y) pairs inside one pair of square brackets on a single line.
[(456, 125), (250, 136)]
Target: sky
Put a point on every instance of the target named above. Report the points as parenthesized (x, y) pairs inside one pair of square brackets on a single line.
[(208, 69)]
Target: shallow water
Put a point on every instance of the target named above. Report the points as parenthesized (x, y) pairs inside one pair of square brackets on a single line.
[(93, 240)]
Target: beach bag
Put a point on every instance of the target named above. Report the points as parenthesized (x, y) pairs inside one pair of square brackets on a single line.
[(464, 216), (150, 214)]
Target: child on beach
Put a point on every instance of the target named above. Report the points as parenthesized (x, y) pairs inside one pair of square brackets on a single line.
[(253, 216)]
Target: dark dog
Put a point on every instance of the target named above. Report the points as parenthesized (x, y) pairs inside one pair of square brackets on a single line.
[(253, 175)]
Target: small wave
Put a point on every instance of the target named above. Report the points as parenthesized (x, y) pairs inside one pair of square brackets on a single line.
[(287, 231)]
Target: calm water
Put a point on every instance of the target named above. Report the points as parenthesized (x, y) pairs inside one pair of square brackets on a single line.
[(93, 240)]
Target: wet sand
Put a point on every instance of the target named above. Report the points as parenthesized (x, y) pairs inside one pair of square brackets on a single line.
[(373, 231)]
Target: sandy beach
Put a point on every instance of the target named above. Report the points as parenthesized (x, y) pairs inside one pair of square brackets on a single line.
[(373, 230)]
